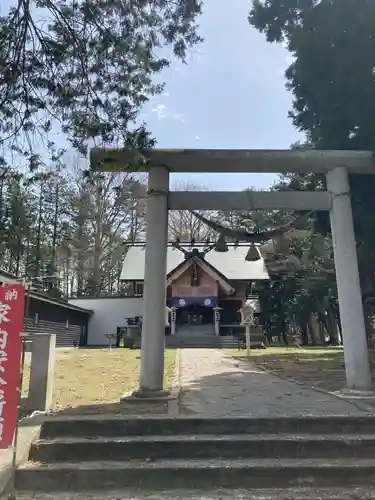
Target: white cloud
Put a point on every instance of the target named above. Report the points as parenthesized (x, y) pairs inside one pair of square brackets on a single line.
[(179, 117), (193, 55), (161, 111), (286, 61), (289, 57)]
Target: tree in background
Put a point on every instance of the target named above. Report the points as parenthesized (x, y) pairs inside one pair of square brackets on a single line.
[(301, 294), (82, 69), (86, 68), (332, 80), (183, 225), (297, 299), (108, 217), (71, 229)]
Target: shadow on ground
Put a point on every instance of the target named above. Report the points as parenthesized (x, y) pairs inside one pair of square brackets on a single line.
[(242, 388)]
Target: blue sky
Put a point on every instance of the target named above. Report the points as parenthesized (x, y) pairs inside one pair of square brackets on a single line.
[(230, 95)]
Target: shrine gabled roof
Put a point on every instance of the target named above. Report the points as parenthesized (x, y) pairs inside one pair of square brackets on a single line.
[(190, 260), (231, 264), (206, 266)]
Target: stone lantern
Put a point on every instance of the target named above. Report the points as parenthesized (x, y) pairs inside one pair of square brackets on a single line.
[(216, 311), (173, 319), (110, 336), (247, 320), (167, 311)]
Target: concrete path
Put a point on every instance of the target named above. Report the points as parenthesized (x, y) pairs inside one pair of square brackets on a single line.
[(217, 385)]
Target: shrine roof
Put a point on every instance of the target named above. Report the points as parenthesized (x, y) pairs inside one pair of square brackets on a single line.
[(231, 264)]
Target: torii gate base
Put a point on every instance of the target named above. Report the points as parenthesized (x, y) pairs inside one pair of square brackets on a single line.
[(335, 164)]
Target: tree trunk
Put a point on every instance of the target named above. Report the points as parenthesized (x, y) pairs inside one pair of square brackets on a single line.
[(55, 222), (338, 320), (334, 334), (304, 334), (38, 234), (368, 322), (79, 256), (97, 242), (330, 324), (312, 330), (269, 336), (321, 332)]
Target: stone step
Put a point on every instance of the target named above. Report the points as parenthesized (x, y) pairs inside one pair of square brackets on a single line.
[(219, 494), (201, 335), (196, 331), (94, 427), (181, 345), (200, 339), (174, 474), (208, 341), (210, 447)]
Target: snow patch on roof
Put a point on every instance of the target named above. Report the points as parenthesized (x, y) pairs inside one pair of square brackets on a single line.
[(231, 264)]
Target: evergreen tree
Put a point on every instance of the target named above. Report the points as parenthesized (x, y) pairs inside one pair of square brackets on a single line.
[(86, 67), (333, 86)]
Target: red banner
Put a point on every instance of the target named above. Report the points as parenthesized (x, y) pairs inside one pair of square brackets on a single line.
[(12, 303)]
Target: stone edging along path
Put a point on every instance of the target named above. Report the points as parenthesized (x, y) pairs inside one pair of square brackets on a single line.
[(356, 401), (216, 384), (174, 403)]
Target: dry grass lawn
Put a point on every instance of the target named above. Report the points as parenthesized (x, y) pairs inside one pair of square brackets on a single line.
[(93, 380), (321, 367)]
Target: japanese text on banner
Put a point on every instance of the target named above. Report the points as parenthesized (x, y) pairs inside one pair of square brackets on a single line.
[(12, 297)]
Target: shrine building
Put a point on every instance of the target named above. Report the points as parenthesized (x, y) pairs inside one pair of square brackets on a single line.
[(205, 289)]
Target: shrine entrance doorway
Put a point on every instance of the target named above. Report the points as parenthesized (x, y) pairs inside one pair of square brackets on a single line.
[(194, 315)]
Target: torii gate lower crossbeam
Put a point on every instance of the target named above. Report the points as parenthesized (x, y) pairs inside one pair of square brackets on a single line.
[(336, 166)]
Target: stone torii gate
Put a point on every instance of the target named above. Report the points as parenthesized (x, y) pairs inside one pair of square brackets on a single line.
[(334, 164)]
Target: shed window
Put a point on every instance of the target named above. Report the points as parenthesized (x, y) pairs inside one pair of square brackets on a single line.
[(138, 291)]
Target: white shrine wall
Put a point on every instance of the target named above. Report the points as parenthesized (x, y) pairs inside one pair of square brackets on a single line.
[(109, 313)]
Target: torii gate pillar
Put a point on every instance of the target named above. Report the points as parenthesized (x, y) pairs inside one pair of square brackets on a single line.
[(244, 161), (357, 364), (153, 328)]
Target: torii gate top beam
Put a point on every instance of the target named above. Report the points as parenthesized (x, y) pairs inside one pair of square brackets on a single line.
[(234, 160)]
